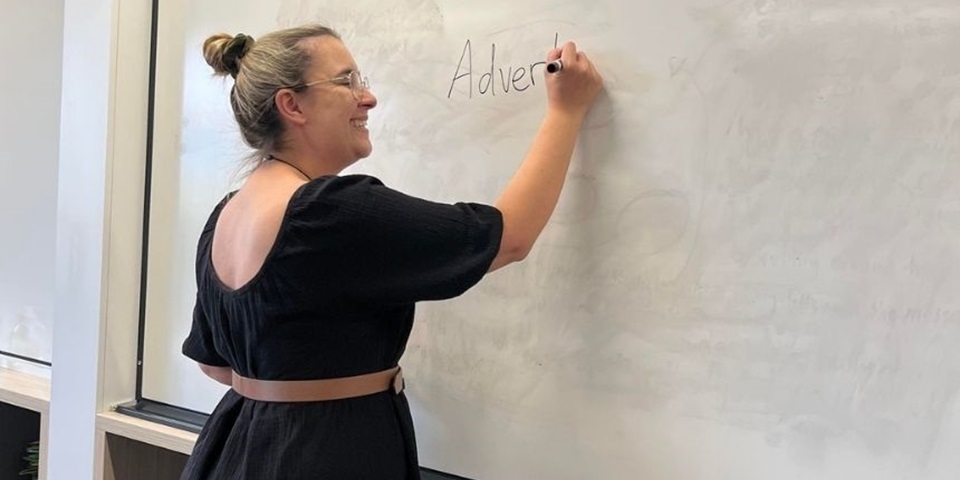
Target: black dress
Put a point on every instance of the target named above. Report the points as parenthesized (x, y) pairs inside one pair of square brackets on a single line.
[(334, 298)]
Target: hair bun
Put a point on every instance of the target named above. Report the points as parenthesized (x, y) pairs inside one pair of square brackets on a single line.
[(224, 52)]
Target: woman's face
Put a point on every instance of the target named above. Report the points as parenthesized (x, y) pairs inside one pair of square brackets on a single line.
[(336, 113)]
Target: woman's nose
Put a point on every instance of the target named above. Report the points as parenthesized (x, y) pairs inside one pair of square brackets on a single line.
[(368, 99)]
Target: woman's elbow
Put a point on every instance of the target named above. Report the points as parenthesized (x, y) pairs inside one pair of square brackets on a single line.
[(518, 252), (510, 252)]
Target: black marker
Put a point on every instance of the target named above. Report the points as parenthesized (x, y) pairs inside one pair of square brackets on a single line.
[(555, 66)]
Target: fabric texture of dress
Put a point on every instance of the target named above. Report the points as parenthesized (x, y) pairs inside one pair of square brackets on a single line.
[(334, 298)]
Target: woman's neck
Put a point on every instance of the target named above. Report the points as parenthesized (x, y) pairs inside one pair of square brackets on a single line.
[(309, 166)]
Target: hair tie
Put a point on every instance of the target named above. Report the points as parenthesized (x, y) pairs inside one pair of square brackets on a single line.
[(236, 49)]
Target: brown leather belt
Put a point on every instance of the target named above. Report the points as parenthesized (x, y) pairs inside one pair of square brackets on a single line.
[(319, 390)]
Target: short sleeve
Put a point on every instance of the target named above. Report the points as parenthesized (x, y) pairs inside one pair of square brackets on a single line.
[(199, 344), (371, 243)]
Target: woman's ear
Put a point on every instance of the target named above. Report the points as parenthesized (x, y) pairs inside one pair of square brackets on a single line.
[(290, 107)]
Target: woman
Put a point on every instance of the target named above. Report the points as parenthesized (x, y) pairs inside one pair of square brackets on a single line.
[(307, 279)]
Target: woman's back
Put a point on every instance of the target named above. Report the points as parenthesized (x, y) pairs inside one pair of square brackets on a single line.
[(247, 226)]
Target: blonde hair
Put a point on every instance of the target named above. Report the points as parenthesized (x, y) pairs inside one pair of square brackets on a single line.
[(260, 68)]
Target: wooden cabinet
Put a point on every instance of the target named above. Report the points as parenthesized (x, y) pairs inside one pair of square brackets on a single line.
[(129, 448), (24, 415)]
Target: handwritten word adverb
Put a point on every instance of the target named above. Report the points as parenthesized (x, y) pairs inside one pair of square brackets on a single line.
[(494, 79)]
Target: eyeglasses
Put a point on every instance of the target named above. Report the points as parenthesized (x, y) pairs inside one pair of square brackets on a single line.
[(354, 80)]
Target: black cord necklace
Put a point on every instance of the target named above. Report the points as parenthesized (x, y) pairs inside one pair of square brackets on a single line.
[(272, 157)]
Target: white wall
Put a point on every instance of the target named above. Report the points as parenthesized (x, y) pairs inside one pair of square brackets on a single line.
[(83, 146), (31, 37), (100, 189)]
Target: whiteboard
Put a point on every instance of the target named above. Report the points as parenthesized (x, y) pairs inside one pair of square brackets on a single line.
[(753, 269)]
